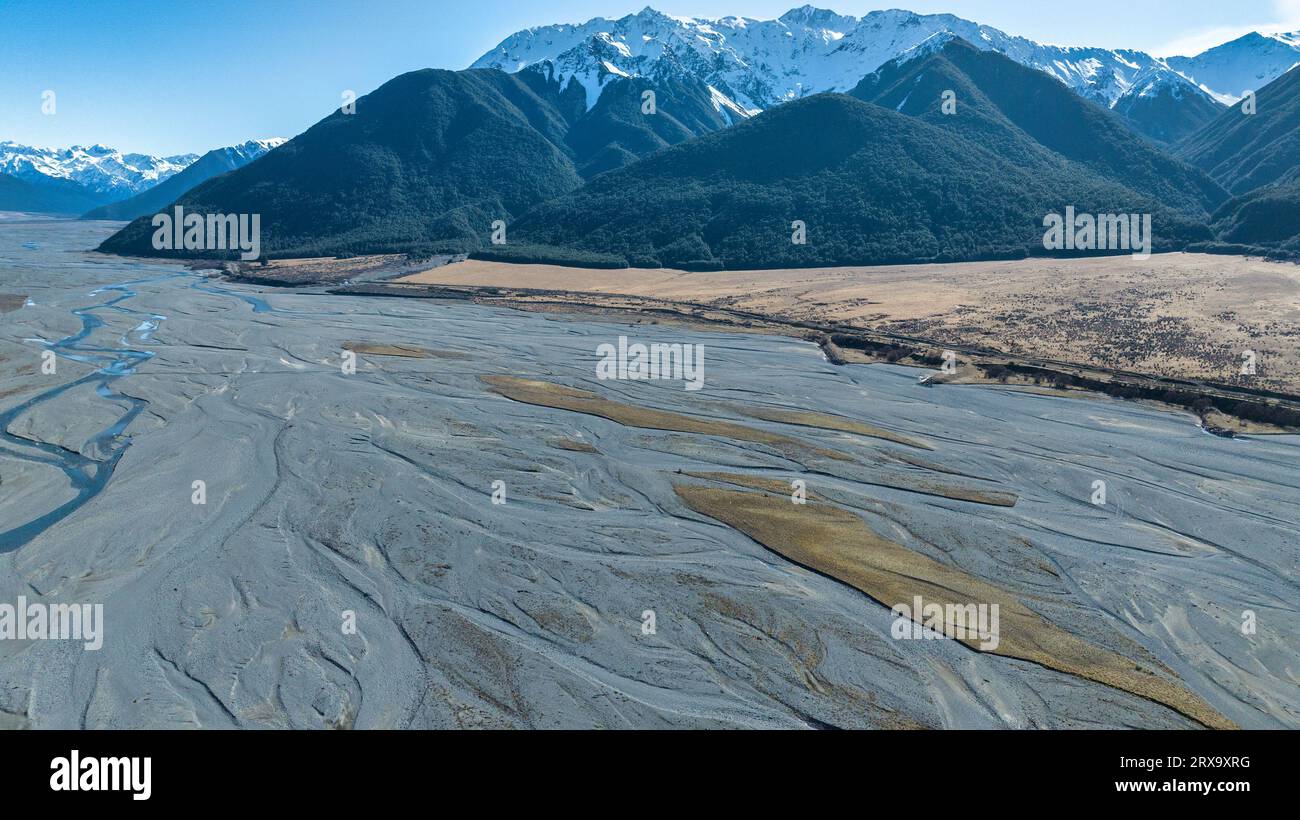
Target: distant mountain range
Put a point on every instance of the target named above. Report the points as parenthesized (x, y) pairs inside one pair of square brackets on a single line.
[(52, 196), (71, 180), (653, 140), (213, 163), (103, 180), (1246, 64), (97, 168), (752, 65)]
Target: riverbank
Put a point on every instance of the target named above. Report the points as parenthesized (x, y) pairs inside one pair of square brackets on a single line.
[(849, 312), (1177, 315), (324, 489)]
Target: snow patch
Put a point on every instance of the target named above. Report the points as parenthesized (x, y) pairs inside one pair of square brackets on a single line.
[(100, 168), (809, 50)]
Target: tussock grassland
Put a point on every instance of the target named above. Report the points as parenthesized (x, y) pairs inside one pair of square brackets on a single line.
[(1176, 315)]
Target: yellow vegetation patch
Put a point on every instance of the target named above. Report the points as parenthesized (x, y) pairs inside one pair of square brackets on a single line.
[(826, 421), (1086, 310), (754, 482), (993, 498), (547, 394), (401, 351), (839, 544), (907, 483)]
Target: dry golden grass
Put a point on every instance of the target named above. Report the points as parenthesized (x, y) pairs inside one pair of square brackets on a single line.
[(826, 421), (896, 482), (547, 394), (401, 351), (839, 544), (1175, 315)]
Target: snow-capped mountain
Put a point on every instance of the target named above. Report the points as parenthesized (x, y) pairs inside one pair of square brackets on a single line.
[(1166, 106), (755, 64), (240, 155), (1246, 64), (214, 163), (103, 171), (1156, 80)]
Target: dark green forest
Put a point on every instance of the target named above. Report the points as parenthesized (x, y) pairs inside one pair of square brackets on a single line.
[(1015, 109), (871, 185), (1244, 152), (432, 159)]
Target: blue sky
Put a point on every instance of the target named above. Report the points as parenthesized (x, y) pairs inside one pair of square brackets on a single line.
[(189, 75)]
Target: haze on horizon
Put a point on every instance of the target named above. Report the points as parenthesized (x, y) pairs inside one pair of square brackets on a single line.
[(138, 80)]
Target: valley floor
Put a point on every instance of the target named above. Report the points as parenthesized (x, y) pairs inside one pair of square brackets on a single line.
[(648, 566), (1186, 316)]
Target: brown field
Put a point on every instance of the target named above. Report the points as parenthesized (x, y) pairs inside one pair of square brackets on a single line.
[(1174, 315), (11, 301)]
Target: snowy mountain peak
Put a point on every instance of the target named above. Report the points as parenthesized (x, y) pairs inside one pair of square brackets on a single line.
[(935, 42), (756, 64), (106, 175), (99, 168), (648, 13), (1157, 79), (813, 17), (253, 149), (1247, 63)]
